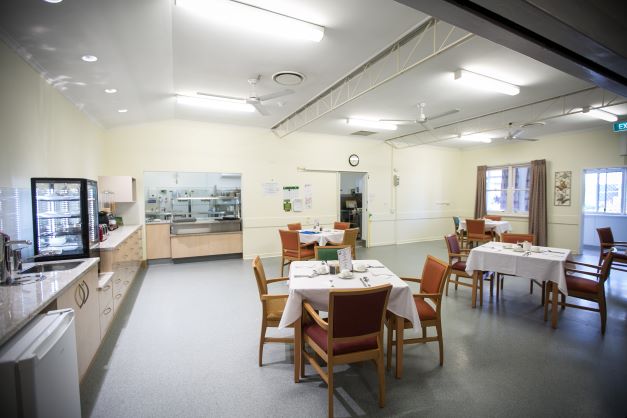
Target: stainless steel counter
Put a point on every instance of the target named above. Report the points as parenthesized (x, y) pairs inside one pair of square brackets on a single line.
[(205, 226)]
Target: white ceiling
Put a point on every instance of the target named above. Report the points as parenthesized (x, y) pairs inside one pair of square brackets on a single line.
[(151, 50)]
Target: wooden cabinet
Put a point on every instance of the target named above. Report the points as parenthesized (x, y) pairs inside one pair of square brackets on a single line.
[(206, 244), (105, 299), (158, 241), (123, 187), (124, 262), (82, 297)]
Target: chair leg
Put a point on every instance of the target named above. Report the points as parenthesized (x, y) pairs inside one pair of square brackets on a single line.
[(448, 281), (438, 328), (492, 283), (481, 291), (282, 265), (603, 312), (330, 388), (544, 286), (547, 293), (563, 301), (261, 341), (389, 345), (424, 332), (456, 282), (531, 287), (381, 372)]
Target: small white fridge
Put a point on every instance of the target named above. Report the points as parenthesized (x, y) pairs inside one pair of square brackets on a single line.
[(39, 369)]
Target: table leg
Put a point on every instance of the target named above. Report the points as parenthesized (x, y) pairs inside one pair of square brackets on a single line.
[(400, 328), (555, 295), (297, 350), (475, 275)]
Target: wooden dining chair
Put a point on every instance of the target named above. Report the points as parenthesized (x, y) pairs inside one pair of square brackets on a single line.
[(341, 225), (457, 263), (272, 306), (292, 249), (434, 274), (475, 229), (510, 238), (350, 238), (584, 284), (493, 217), (606, 239), (295, 226), (353, 333)]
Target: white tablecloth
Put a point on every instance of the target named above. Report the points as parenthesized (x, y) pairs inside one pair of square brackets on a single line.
[(316, 290), (547, 265), (322, 238), (498, 226)]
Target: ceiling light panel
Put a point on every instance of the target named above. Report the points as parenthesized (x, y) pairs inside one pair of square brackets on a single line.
[(485, 83), (252, 18), (373, 124), (601, 114), (89, 58), (111, 91), (217, 103)]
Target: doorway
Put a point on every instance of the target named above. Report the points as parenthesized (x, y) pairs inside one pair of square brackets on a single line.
[(353, 203)]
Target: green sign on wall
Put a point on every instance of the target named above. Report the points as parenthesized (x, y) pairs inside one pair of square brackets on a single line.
[(620, 126)]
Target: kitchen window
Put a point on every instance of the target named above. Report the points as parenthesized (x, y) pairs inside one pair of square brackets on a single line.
[(604, 191), (507, 189)]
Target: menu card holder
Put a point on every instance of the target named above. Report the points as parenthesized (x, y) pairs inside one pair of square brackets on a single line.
[(345, 259)]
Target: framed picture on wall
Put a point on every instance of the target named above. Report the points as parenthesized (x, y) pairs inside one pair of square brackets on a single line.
[(562, 188)]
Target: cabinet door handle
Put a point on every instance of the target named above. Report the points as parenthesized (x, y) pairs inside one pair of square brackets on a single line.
[(107, 287), (107, 311), (79, 295), (118, 296), (87, 295)]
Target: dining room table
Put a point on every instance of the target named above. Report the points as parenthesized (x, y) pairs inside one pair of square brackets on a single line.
[(498, 227), (306, 285), (545, 264), (322, 237)]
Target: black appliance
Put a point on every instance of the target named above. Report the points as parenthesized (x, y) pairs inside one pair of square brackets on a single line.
[(104, 218), (65, 218)]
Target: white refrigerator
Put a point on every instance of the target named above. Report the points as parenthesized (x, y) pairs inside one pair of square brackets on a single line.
[(39, 369)]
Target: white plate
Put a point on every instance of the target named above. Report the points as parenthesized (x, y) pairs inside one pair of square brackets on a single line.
[(350, 276), (518, 250)]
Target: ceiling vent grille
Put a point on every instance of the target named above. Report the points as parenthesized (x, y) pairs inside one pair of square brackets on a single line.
[(363, 133)]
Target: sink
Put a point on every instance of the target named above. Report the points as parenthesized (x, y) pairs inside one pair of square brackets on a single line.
[(44, 268)]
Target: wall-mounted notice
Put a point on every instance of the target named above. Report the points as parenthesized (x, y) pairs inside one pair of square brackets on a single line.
[(289, 194), (270, 188), (308, 196)]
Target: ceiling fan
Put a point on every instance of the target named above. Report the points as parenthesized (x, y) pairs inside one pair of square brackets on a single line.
[(423, 119), (253, 99), (515, 135)]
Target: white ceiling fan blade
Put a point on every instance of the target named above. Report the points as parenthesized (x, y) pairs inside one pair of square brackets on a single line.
[(275, 95), (427, 126), (219, 96), (516, 133), (260, 108), (400, 122), (526, 139), (441, 115)]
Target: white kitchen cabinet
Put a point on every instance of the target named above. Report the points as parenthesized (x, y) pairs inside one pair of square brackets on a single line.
[(122, 187), (105, 299), (82, 297)]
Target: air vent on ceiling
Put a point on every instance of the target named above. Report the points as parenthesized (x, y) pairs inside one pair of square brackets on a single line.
[(363, 133), (288, 78)]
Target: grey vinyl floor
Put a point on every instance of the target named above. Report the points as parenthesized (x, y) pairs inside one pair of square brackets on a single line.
[(185, 345)]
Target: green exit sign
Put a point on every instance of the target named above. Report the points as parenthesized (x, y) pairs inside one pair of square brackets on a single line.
[(620, 126)]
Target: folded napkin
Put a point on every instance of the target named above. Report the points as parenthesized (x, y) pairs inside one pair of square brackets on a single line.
[(381, 272)]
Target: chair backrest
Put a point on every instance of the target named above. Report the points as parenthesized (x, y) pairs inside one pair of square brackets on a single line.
[(516, 238), (350, 236), (354, 313), (475, 226), (605, 235), (434, 274), (328, 252), (290, 240), (456, 222), (260, 275), (452, 244), (295, 226), (341, 225), (493, 217), (605, 268)]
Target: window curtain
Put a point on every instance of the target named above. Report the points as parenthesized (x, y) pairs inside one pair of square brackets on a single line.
[(480, 203), (537, 202)]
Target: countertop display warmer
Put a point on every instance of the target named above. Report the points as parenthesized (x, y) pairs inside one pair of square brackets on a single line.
[(65, 218)]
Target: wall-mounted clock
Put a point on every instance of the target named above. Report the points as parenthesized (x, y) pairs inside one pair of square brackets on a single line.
[(353, 160)]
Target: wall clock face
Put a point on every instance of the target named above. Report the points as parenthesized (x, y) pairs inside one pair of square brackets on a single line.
[(353, 160)]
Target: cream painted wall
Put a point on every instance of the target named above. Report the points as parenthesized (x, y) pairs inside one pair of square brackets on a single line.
[(42, 134), (565, 152)]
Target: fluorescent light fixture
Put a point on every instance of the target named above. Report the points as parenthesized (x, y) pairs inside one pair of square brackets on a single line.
[(89, 58), (111, 91), (254, 18), (373, 124), (483, 82), (218, 103), (53, 1), (122, 110), (476, 138), (600, 114)]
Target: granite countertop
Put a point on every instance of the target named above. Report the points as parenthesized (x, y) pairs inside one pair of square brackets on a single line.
[(20, 303), (117, 236)]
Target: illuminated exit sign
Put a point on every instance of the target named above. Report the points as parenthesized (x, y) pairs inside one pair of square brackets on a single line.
[(620, 126)]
